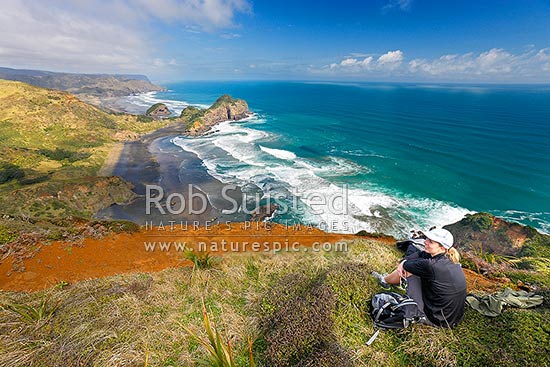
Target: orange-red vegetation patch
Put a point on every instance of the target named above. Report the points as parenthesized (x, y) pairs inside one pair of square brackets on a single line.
[(478, 283), (152, 249)]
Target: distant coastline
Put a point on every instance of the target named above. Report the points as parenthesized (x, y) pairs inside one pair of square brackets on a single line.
[(83, 85)]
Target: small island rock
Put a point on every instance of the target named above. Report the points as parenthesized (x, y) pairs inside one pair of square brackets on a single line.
[(158, 110)]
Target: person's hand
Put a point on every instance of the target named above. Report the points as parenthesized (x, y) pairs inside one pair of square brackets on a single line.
[(401, 271)]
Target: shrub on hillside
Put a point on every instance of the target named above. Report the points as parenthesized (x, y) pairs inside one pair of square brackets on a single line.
[(538, 245), (33, 180), (479, 221), (190, 113), (61, 154), (298, 327), (142, 118), (6, 236), (10, 172), (119, 226)]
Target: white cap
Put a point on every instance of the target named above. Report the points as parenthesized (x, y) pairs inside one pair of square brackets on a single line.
[(442, 236)]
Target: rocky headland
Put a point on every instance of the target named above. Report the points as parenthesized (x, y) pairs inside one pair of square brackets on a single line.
[(158, 110)]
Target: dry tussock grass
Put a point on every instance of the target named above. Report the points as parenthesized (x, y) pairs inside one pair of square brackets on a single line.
[(430, 344)]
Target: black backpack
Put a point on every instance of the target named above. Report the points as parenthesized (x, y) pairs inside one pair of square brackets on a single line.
[(391, 310)]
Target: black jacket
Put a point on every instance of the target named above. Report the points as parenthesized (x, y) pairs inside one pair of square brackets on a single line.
[(443, 287)]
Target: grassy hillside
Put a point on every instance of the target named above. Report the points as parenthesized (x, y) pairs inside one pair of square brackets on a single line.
[(299, 309), (52, 131), (52, 146), (37, 122)]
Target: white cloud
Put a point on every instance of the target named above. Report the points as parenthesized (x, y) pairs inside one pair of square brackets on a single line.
[(353, 64), (493, 65), (206, 13), (101, 35), (161, 63), (359, 54), (387, 61), (229, 36), (349, 62), (391, 59), (495, 61), (403, 5)]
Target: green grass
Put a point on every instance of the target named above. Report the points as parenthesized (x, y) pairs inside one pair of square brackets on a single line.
[(226, 98), (31, 313), (6, 235), (201, 260), (538, 245), (217, 345), (52, 147), (191, 113), (142, 118)]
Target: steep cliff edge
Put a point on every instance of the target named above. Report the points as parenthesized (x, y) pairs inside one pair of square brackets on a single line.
[(505, 250), (483, 232), (226, 108)]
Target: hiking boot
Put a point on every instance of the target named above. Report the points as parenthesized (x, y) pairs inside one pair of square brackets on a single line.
[(380, 279), (402, 284)]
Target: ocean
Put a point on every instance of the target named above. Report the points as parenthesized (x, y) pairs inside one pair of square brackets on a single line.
[(404, 155)]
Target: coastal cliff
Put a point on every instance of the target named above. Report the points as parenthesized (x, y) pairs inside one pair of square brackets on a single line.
[(225, 108), (510, 251)]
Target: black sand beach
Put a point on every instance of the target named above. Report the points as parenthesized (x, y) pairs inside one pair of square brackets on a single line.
[(155, 160)]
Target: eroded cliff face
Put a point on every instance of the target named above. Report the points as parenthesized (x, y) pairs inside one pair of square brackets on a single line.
[(225, 108), (236, 110), (485, 233)]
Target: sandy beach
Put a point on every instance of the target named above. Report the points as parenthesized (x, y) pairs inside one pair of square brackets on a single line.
[(154, 160), (112, 159)]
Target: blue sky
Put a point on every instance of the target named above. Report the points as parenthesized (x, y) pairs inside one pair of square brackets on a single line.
[(378, 40)]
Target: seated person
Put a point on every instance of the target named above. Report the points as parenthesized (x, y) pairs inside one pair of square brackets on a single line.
[(435, 280)]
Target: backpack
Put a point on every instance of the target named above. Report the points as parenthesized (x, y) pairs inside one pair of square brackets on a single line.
[(391, 310)]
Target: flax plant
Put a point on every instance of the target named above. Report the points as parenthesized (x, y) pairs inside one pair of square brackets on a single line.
[(219, 352)]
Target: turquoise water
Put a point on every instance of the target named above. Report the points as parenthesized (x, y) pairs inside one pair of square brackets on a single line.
[(412, 155)]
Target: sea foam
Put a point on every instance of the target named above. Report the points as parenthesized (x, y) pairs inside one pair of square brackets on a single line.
[(146, 100), (279, 153)]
